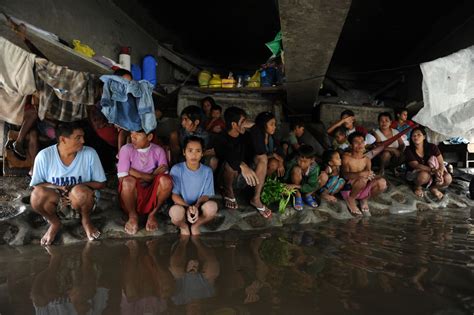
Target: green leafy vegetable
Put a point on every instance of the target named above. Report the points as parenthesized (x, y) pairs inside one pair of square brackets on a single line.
[(275, 191)]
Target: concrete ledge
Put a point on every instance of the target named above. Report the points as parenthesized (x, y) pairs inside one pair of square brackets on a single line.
[(29, 227)]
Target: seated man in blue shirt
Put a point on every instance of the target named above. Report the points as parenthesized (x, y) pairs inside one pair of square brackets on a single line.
[(67, 174), (193, 185)]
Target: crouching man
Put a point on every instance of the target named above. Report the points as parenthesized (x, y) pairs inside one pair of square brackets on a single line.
[(67, 174)]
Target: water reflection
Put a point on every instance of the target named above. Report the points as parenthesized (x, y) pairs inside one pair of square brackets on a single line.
[(417, 264)]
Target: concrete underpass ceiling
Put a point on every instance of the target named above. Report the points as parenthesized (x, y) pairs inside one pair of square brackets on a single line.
[(376, 33), (230, 35)]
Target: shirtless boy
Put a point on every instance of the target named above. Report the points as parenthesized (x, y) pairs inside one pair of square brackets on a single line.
[(362, 184)]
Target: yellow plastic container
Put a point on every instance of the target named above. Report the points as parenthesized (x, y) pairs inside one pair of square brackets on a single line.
[(204, 77), (216, 81)]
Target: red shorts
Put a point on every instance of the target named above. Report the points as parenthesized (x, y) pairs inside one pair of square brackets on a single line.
[(146, 194)]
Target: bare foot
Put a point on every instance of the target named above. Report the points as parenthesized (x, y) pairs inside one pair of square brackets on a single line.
[(328, 197), (151, 223), (352, 205), (438, 194), (48, 237), (185, 231), (91, 231), (131, 227), (364, 206), (195, 230)]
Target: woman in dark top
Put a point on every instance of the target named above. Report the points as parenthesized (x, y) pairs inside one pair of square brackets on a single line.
[(425, 165), (263, 143)]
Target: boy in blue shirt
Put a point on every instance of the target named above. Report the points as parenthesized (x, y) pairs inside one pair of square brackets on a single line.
[(193, 184)]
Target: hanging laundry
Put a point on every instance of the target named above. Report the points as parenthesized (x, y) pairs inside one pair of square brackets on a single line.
[(128, 104), (16, 81), (63, 93)]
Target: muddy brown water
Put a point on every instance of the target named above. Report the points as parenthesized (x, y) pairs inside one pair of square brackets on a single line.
[(420, 263)]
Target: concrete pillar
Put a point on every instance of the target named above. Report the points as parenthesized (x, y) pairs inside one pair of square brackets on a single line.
[(310, 30)]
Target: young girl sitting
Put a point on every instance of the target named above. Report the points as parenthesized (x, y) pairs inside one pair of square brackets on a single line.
[(331, 174)]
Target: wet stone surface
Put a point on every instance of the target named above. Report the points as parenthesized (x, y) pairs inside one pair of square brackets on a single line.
[(27, 227)]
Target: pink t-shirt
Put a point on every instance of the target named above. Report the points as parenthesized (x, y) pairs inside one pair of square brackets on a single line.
[(143, 160)]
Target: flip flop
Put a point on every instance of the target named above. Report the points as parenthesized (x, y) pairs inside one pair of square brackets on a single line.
[(230, 203), (355, 212), (309, 200), (264, 212), (298, 203)]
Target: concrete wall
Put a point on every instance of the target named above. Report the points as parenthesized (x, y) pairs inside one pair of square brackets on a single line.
[(97, 23), (253, 103)]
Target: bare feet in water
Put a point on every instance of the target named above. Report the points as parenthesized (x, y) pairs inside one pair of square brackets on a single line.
[(131, 227), (48, 237), (151, 223), (185, 231), (352, 205), (195, 230), (91, 231)]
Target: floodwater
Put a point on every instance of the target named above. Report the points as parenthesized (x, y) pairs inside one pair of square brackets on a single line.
[(420, 263)]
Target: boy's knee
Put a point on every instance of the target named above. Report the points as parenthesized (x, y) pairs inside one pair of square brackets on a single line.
[(447, 179), (129, 183), (296, 171), (166, 183), (273, 164), (423, 177), (382, 184)]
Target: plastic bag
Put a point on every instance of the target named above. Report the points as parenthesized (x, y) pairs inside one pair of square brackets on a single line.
[(255, 80), (82, 48)]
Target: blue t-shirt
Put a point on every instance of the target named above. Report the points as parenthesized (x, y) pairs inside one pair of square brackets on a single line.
[(191, 185), (48, 168)]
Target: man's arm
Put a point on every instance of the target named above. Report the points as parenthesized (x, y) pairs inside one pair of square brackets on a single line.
[(249, 175), (94, 185), (338, 124), (140, 175)]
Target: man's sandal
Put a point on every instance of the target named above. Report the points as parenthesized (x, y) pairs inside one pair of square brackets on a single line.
[(264, 212), (230, 203)]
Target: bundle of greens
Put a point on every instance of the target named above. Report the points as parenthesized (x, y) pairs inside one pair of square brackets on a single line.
[(274, 191)]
